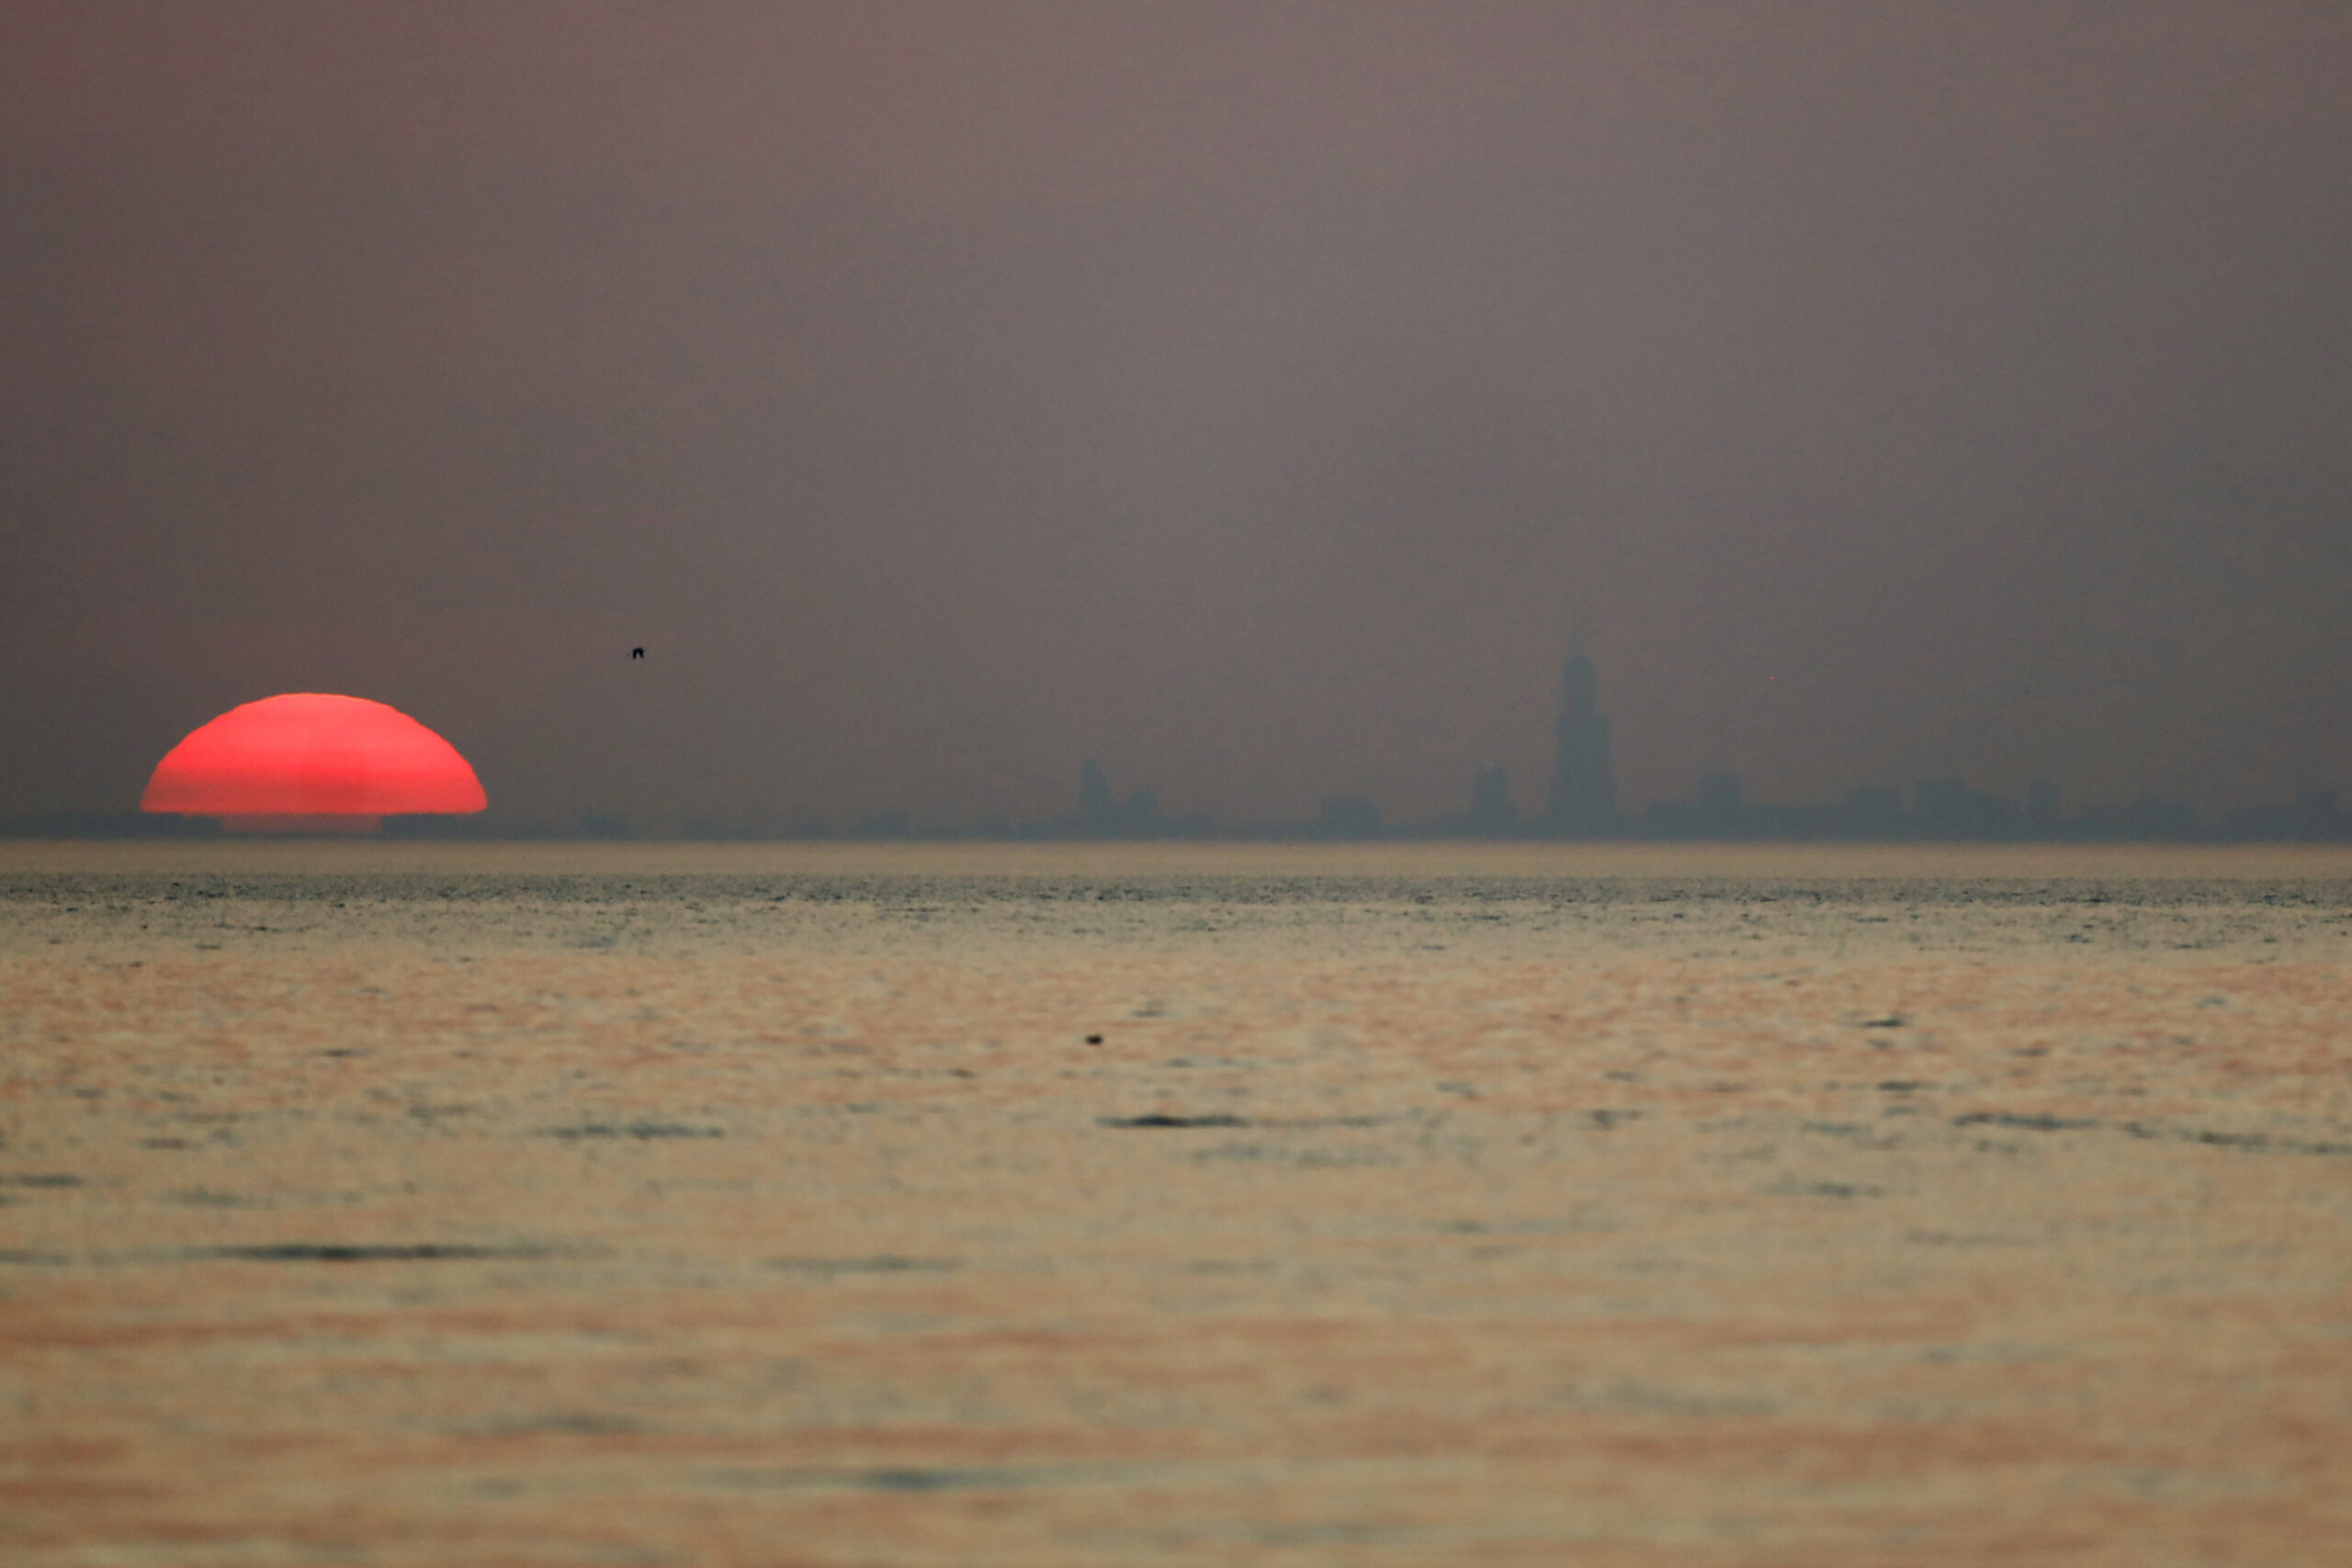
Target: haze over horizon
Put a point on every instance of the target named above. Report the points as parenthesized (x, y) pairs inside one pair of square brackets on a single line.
[(1248, 397)]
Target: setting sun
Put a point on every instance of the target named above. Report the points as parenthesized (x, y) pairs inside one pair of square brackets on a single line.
[(308, 762)]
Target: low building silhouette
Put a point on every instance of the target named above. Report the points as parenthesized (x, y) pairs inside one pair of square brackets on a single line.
[(1872, 811), (1102, 815), (1347, 816), (1946, 808), (2147, 816), (2314, 816), (1492, 815)]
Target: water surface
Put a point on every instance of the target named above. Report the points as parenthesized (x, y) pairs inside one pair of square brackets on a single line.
[(393, 1202)]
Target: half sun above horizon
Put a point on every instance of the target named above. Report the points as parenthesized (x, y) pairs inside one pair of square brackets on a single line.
[(311, 762)]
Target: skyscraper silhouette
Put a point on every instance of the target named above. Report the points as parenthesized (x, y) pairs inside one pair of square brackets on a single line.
[(1584, 791)]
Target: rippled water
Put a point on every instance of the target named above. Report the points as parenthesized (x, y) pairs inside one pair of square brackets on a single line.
[(1418, 1204)]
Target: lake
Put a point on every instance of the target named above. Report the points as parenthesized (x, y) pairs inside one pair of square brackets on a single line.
[(944, 1204)]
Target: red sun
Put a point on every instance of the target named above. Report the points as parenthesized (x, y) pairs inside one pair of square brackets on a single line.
[(308, 762)]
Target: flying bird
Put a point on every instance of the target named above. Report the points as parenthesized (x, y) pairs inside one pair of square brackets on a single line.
[(637, 653)]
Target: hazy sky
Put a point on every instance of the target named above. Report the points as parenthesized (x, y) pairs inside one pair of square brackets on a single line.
[(1247, 396)]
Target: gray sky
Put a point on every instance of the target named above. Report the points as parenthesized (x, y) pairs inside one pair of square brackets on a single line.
[(1246, 395)]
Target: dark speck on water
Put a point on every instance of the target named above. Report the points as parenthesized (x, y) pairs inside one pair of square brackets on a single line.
[(1158, 1119), (335, 1252), (634, 1130)]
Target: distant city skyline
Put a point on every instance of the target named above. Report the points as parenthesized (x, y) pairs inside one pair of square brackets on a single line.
[(1579, 803)]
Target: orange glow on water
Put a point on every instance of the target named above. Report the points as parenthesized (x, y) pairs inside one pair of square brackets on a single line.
[(311, 762)]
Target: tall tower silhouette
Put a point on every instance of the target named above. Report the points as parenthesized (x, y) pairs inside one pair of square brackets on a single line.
[(1584, 790)]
